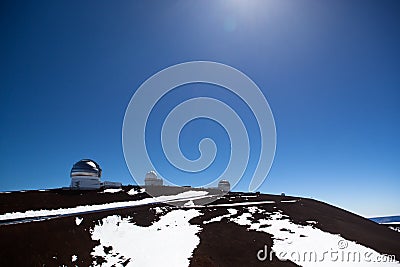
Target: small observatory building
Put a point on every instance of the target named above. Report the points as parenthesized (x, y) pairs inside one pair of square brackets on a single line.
[(224, 185), (151, 179), (85, 175)]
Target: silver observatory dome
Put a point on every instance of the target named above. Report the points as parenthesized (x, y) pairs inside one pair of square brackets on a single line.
[(86, 167)]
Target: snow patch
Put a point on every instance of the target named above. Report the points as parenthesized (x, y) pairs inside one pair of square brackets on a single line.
[(159, 210), (99, 207), (219, 218), (133, 191), (168, 242), (288, 201), (397, 229), (78, 220), (242, 204), (308, 246), (184, 195), (112, 190), (190, 203), (79, 209)]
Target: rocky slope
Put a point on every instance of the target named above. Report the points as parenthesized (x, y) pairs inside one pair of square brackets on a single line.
[(130, 228)]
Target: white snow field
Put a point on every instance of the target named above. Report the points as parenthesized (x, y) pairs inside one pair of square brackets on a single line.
[(171, 237), (188, 195), (168, 242), (78, 220), (171, 240), (236, 204), (308, 246)]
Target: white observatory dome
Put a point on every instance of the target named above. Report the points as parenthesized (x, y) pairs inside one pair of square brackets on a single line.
[(151, 175), (151, 179), (86, 168), (85, 174)]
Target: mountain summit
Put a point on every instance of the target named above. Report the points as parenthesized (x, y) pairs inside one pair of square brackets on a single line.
[(127, 227)]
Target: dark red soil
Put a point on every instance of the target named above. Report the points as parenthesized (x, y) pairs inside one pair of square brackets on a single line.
[(228, 244), (58, 198), (348, 225), (53, 242)]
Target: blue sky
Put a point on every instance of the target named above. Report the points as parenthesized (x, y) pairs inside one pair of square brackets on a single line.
[(329, 69)]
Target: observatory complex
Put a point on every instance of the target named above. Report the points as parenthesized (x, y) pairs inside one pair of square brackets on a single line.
[(85, 175), (151, 179)]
